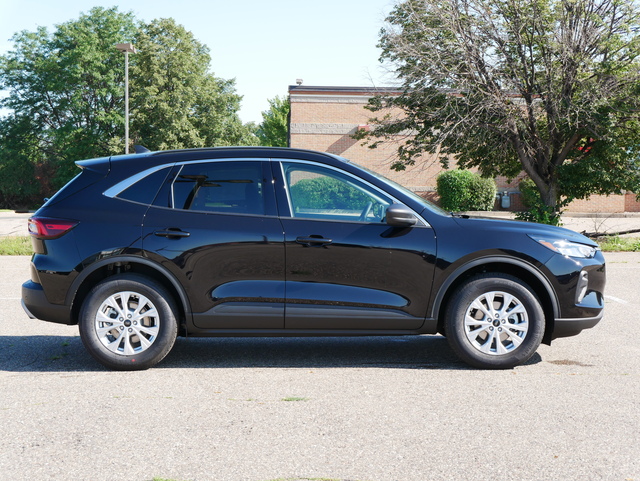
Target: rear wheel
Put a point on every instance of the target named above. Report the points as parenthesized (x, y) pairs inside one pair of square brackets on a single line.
[(128, 322), (494, 321)]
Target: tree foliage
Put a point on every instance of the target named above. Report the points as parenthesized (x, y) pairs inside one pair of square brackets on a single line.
[(65, 93), (19, 164), (175, 101), (273, 131), (66, 98), (550, 87)]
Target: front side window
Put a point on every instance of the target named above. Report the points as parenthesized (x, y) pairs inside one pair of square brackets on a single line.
[(324, 194), (222, 187)]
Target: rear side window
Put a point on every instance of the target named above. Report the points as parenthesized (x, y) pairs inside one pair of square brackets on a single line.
[(145, 190), (223, 187)]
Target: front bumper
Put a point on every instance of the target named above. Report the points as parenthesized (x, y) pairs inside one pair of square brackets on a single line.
[(37, 306), (572, 327), (579, 285)]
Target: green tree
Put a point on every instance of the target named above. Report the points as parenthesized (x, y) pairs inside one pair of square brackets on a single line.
[(175, 101), (66, 98), (273, 131), (20, 165), (550, 87)]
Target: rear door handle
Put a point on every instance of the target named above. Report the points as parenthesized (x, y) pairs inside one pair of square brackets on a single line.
[(310, 241), (175, 233)]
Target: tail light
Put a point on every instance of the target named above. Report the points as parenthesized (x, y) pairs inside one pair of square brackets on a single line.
[(46, 228)]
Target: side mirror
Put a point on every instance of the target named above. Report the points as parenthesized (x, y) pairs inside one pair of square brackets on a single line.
[(400, 216)]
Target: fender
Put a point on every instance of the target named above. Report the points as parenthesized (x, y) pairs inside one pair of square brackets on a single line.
[(461, 270), (82, 276)]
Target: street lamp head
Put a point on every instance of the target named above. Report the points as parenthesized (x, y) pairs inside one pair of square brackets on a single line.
[(126, 47)]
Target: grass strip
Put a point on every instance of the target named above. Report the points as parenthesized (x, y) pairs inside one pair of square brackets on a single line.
[(619, 244), (15, 246)]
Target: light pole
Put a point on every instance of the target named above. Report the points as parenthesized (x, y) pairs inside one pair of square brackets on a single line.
[(127, 48)]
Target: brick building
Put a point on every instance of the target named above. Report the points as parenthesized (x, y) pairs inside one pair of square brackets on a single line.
[(325, 118)]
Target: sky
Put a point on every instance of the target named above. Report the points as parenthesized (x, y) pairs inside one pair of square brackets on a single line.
[(266, 45)]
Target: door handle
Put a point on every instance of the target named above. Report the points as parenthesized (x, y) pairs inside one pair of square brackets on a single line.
[(313, 240), (172, 233)]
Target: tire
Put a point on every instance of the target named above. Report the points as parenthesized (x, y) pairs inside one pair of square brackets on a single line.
[(128, 322), (494, 321)]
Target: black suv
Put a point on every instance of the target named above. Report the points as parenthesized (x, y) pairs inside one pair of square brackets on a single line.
[(142, 248)]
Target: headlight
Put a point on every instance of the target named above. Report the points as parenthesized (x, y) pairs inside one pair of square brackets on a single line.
[(567, 248)]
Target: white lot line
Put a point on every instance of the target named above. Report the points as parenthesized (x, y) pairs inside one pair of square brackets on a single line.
[(616, 299)]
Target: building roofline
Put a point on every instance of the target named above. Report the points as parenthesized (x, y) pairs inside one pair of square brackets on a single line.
[(341, 90), (367, 91)]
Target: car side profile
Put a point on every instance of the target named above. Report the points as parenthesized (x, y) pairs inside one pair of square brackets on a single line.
[(142, 248)]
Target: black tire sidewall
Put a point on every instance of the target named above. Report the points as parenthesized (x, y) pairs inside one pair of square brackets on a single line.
[(166, 312), (471, 290)]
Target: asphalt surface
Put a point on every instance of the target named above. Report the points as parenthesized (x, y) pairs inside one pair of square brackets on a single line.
[(358, 409)]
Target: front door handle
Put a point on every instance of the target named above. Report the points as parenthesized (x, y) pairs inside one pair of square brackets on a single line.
[(313, 240), (172, 233)]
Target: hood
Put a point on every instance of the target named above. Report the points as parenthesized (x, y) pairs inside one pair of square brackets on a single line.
[(479, 223)]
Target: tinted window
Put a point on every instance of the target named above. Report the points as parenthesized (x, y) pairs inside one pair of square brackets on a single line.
[(318, 193), (225, 187), (145, 190)]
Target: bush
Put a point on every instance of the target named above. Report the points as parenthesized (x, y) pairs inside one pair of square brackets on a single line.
[(482, 194), (536, 211), (462, 190)]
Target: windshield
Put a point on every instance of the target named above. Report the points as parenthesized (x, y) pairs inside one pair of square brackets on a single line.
[(407, 192)]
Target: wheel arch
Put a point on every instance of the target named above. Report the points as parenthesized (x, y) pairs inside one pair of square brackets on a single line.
[(105, 268), (520, 269)]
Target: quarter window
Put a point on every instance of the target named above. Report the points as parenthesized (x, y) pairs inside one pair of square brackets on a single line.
[(145, 190)]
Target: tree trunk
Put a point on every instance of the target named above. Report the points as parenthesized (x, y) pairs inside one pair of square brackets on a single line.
[(545, 182), (549, 195)]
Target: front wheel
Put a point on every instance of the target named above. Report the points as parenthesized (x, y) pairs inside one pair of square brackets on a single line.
[(128, 322), (494, 321)]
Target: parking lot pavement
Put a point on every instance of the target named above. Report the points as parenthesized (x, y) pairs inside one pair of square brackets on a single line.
[(366, 409), (12, 224)]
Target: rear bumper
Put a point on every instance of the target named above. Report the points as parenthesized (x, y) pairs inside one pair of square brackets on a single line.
[(36, 305), (572, 327)]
